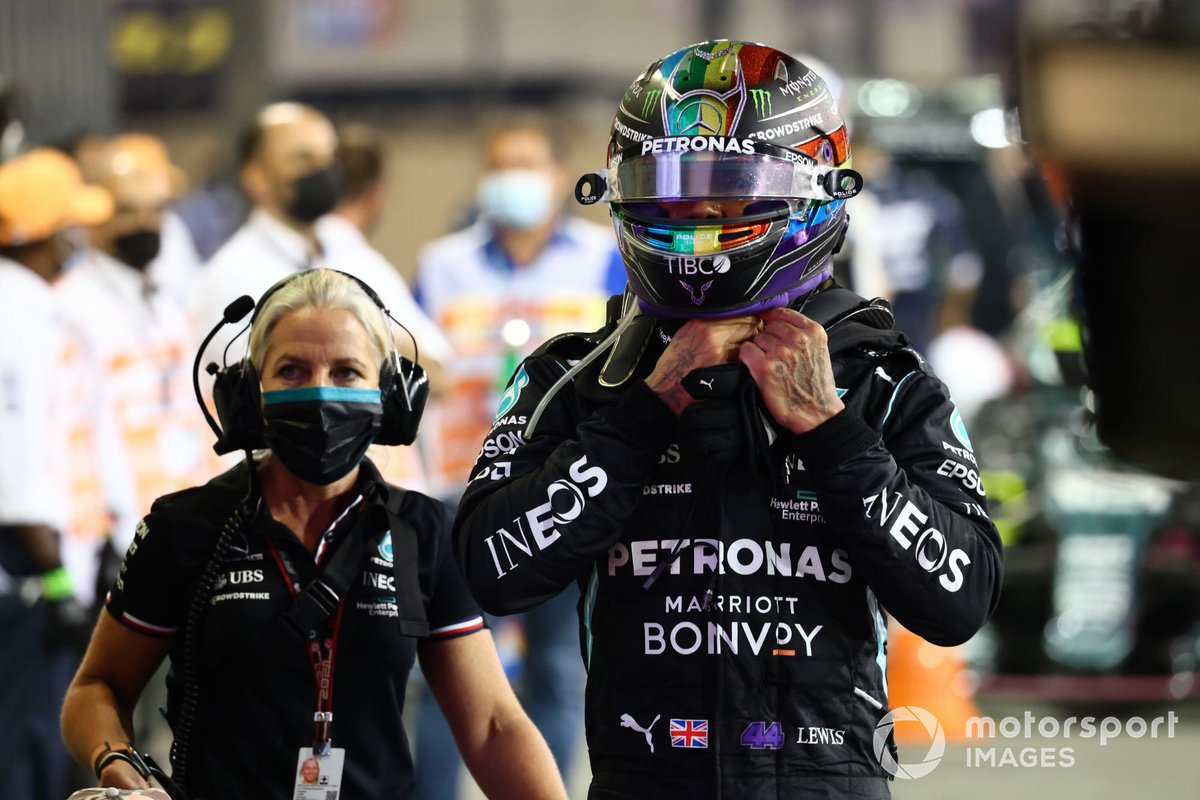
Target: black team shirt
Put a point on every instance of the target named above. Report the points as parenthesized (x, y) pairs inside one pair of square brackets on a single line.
[(257, 689)]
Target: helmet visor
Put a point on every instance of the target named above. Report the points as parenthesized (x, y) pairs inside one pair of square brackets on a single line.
[(755, 170)]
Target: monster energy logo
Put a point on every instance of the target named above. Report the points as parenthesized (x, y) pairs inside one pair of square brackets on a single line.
[(649, 100), (762, 101)]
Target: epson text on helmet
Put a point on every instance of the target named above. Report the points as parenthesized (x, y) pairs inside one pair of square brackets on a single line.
[(699, 144)]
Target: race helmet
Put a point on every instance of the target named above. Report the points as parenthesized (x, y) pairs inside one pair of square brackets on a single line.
[(726, 121)]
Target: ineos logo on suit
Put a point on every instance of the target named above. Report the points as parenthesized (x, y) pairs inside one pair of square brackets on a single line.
[(541, 521)]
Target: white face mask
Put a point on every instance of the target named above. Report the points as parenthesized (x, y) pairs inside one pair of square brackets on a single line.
[(515, 198)]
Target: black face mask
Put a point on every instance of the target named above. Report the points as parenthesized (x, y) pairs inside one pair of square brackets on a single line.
[(314, 195), (139, 248), (320, 433)]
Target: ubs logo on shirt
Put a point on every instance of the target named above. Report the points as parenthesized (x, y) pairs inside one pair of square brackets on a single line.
[(223, 591), (242, 576), (238, 577)]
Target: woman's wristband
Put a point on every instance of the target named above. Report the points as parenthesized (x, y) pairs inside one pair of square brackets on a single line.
[(130, 755)]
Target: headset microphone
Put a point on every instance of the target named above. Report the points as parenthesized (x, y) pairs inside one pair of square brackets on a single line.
[(237, 394), (234, 312), (237, 310)]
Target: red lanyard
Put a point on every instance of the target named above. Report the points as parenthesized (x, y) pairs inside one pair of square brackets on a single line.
[(320, 657)]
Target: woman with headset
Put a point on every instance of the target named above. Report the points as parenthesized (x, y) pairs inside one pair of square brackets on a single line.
[(298, 584)]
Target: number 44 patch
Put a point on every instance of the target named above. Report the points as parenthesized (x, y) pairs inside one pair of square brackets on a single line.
[(763, 736)]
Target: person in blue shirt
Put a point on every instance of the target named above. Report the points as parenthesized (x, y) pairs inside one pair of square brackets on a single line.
[(522, 273)]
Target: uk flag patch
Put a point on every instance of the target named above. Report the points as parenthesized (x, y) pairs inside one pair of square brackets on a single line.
[(689, 733)]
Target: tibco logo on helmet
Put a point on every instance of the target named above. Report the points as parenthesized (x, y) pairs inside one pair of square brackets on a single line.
[(696, 141), (909, 770), (693, 265)]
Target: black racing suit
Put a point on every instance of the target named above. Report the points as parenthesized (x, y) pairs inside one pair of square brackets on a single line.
[(735, 577)]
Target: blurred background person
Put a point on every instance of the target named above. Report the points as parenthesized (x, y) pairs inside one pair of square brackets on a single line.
[(347, 230), (291, 174), (212, 208), (522, 273), (137, 345), (41, 195), (966, 357), (360, 158), (286, 158), (176, 266), (177, 263)]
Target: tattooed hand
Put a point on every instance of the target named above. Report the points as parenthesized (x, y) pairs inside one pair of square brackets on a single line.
[(789, 361), (698, 343)]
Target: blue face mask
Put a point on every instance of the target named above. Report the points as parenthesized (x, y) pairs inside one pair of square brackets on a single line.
[(515, 198), (320, 433)]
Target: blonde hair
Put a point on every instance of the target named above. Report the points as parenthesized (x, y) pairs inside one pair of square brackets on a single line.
[(321, 289)]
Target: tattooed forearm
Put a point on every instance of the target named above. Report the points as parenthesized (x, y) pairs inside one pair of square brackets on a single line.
[(666, 379), (674, 370)]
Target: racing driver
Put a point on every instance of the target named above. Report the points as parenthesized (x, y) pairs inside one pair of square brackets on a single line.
[(747, 471)]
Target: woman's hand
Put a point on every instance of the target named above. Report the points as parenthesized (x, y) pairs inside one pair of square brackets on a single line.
[(789, 361), (98, 707)]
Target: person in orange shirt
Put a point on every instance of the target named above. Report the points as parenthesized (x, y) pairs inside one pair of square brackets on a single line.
[(41, 195), (136, 344)]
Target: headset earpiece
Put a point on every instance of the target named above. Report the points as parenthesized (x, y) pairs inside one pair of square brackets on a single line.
[(237, 394), (404, 390), (238, 398)]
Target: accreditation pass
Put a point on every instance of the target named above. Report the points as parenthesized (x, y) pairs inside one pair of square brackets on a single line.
[(319, 777)]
